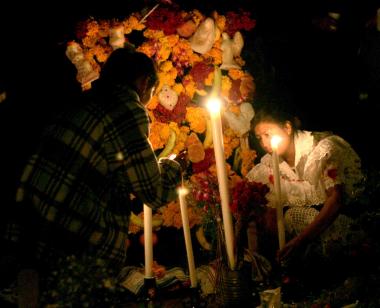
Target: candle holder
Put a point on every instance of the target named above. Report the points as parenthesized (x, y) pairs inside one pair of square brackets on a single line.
[(234, 288), (149, 291)]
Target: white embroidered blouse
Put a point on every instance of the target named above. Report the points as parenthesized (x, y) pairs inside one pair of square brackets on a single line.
[(319, 165)]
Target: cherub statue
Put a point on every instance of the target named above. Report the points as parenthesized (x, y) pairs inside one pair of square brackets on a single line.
[(204, 37), (85, 71), (241, 123), (231, 49), (117, 38)]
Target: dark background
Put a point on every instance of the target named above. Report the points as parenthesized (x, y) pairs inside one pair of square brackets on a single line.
[(293, 58)]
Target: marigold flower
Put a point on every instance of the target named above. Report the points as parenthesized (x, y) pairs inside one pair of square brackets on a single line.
[(220, 21), (180, 145), (178, 88), (196, 116), (171, 215), (153, 34), (89, 41), (104, 27), (92, 28), (147, 48), (163, 53), (189, 85), (210, 79), (152, 104), (226, 86), (158, 134), (198, 17), (170, 40), (166, 66), (101, 53), (215, 54), (132, 23), (248, 157), (235, 74)]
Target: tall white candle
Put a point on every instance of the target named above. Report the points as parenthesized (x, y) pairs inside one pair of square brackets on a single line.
[(148, 242), (217, 135), (277, 189), (182, 192)]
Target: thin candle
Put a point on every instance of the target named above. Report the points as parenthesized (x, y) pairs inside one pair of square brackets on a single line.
[(217, 135), (148, 242), (182, 192), (277, 189)]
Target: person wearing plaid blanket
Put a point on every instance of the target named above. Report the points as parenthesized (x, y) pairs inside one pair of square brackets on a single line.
[(93, 162)]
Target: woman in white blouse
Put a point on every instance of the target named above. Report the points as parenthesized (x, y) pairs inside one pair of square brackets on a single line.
[(320, 174)]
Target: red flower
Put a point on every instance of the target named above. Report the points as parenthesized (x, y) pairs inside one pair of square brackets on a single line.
[(178, 114), (200, 72), (205, 163), (164, 19), (234, 93), (239, 21), (248, 197)]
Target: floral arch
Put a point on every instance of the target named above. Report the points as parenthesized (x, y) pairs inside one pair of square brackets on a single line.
[(186, 47)]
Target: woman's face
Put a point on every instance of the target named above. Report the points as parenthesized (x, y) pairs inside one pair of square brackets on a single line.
[(264, 132)]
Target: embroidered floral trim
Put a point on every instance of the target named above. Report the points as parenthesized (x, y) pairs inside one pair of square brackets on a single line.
[(330, 163)]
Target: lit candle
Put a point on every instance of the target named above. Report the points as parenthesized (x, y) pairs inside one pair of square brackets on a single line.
[(277, 189), (217, 137), (182, 192), (148, 243)]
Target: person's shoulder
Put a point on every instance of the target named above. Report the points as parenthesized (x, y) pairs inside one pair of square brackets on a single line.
[(261, 171), (319, 136), (330, 145)]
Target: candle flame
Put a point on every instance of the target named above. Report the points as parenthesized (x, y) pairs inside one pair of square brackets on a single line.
[(213, 105), (275, 141), (119, 156), (172, 156), (182, 191)]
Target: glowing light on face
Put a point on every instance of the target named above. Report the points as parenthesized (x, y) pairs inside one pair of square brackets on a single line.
[(275, 141), (213, 105)]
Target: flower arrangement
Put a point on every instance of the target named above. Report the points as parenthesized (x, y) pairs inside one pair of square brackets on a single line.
[(186, 47), (248, 201)]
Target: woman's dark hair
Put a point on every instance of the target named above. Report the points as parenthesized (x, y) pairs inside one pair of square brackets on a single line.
[(275, 114), (124, 66)]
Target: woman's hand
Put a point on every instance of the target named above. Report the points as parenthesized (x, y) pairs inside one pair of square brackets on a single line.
[(181, 158), (322, 221)]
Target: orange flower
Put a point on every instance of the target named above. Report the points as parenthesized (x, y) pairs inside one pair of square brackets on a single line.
[(132, 23), (158, 134), (153, 34), (189, 85), (171, 215), (196, 116), (235, 74), (248, 156)]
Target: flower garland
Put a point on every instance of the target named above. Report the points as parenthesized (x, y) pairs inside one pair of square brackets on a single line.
[(173, 38)]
